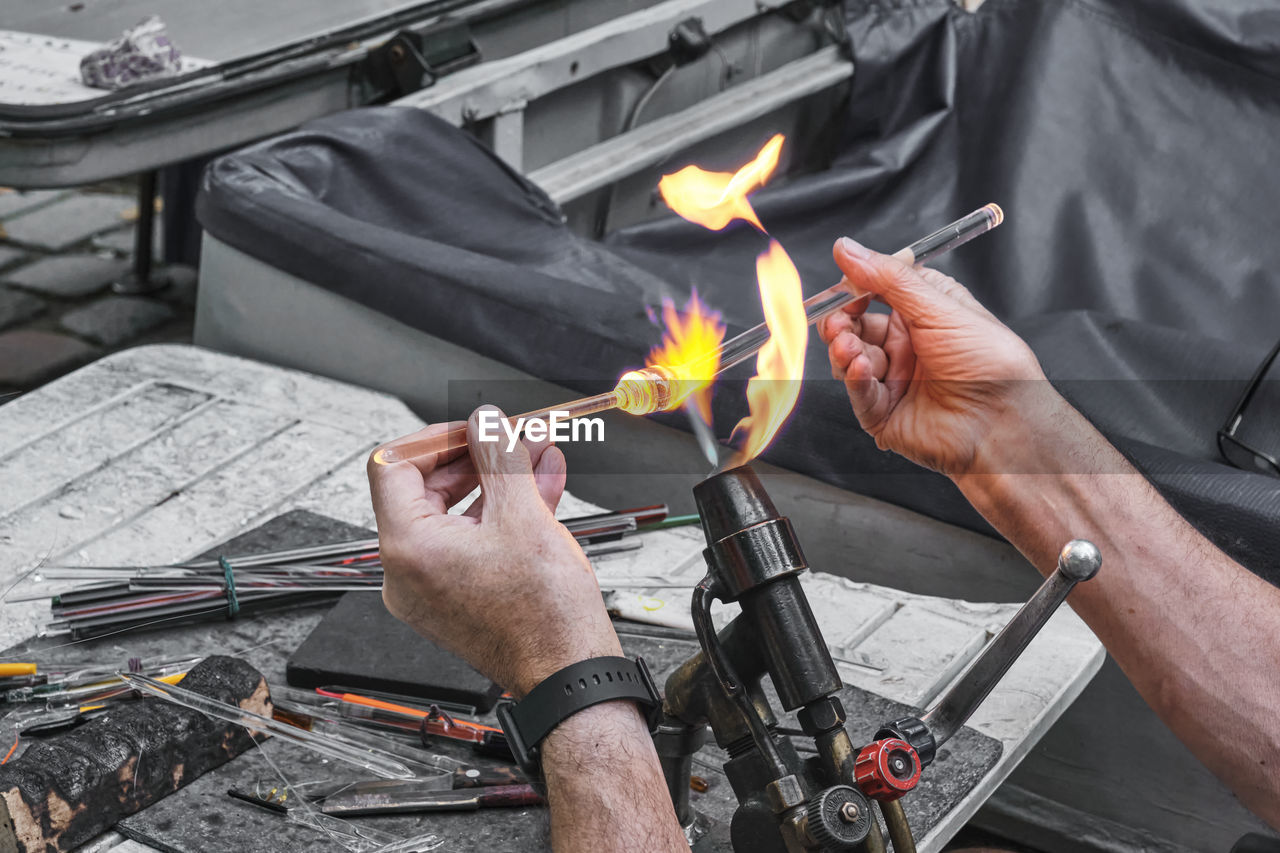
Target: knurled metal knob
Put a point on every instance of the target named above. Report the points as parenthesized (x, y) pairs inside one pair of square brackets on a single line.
[(838, 818), (886, 769), (914, 731)]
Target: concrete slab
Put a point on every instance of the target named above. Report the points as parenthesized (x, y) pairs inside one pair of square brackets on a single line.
[(10, 256), (121, 241), (28, 357), (67, 221), (18, 307), (116, 319), (13, 201), (68, 276)]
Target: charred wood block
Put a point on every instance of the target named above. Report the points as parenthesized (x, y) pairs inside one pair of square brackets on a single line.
[(64, 791)]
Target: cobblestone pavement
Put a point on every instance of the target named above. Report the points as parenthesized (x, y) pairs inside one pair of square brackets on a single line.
[(60, 253)]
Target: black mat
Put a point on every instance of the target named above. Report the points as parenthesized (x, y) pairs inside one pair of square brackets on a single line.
[(201, 818), (361, 646)]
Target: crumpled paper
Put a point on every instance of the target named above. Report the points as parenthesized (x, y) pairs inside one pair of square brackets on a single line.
[(143, 53)]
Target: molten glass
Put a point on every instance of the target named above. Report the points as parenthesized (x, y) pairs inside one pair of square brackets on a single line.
[(688, 354)]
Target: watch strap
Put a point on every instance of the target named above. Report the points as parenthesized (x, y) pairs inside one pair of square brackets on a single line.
[(527, 723)]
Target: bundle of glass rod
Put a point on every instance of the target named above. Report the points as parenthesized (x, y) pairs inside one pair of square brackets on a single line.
[(125, 598), (112, 599)]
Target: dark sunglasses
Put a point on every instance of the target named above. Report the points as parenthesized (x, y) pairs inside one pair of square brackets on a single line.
[(1233, 449)]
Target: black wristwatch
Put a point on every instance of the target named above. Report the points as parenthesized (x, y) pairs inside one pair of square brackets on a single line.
[(527, 722)]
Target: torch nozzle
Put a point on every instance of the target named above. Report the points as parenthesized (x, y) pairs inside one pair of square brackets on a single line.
[(659, 389)]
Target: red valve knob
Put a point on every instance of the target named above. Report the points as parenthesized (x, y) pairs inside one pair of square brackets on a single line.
[(887, 769)]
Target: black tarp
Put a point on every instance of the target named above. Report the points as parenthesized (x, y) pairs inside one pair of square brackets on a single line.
[(1130, 142)]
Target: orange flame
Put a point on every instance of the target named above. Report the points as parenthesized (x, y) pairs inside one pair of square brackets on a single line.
[(713, 200), (690, 351), (773, 391)]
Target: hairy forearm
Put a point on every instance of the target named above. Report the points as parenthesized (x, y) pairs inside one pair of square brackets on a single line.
[(1196, 633), (605, 787)]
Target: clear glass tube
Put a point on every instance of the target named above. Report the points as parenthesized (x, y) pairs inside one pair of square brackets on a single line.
[(378, 762), (424, 765), (413, 448), (741, 347), (954, 235), (652, 389)]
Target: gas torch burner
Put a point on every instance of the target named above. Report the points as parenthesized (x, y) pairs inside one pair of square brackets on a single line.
[(828, 803)]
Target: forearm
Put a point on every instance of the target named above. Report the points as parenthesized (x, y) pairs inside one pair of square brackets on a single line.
[(1196, 633), (604, 784)]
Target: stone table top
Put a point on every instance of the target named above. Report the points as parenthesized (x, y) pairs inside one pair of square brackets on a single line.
[(158, 453)]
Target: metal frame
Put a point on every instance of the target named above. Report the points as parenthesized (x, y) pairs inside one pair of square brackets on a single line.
[(222, 106), (508, 85), (600, 165), (504, 89)]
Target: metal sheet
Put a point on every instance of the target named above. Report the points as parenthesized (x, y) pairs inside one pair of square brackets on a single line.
[(220, 32), (601, 165), (271, 73), (497, 87)]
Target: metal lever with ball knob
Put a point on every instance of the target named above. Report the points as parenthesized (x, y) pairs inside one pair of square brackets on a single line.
[(1078, 561)]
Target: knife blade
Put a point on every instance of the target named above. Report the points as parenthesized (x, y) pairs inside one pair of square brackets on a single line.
[(461, 778), (350, 803)]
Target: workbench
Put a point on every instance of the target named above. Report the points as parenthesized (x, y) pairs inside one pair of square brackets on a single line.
[(160, 453)]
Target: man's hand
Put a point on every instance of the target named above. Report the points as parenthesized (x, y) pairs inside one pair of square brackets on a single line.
[(506, 587), (936, 377), (946, 384), (502, 585)]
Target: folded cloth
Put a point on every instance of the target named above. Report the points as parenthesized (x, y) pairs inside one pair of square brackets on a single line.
[(143, 52)]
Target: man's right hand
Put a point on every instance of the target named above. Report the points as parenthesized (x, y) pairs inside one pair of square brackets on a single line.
[(507, 588), (940, 377), (503, 585)]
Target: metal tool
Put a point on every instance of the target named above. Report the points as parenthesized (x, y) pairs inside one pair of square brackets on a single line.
[(291, 803), (461, 778), (410, 800), (1079, 561), (465, 778), (823, 803)]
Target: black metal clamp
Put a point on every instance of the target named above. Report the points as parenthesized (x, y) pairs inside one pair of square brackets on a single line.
[(411, 60)]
